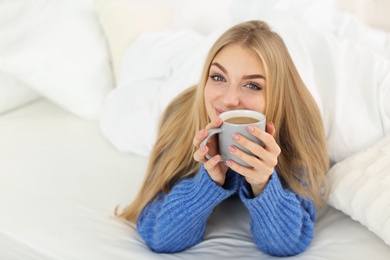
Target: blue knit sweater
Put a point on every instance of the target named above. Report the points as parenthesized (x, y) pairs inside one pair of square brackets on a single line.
[(282, 223)]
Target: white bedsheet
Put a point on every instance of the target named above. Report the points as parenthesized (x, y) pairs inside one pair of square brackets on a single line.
[(60, 181)]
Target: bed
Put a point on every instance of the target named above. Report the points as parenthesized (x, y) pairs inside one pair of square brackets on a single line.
[(70, 152)]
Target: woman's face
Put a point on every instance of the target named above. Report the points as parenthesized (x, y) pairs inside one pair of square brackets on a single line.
[(236, 81)]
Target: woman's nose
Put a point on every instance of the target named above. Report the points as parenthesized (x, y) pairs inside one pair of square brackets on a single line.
[(231, 97)]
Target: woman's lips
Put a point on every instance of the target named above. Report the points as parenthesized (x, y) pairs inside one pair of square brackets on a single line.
[(219, 111)]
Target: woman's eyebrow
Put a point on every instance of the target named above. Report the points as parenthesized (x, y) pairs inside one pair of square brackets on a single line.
[(254, 76), (220, 67)]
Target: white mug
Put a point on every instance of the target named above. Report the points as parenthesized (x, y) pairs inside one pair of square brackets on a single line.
[(235, 121)]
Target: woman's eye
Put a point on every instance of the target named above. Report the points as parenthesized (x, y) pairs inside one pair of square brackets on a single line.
[(253, 86), (217, 77)]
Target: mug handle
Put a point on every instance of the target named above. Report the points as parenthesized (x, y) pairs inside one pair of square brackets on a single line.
[(209, 135)]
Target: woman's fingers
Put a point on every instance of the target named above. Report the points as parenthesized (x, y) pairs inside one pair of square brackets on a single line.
[(213, 167), (263, 165), (269, 147), (200, 154), (199, 137), (252, 174), (270, 128), (217, 122), (202, 134), (216, 170), (263, 158)]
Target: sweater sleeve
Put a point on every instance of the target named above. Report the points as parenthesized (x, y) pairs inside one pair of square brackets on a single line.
[(282, 223), (175, 221)]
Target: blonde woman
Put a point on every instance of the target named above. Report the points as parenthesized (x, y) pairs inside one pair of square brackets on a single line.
[(248, 67)]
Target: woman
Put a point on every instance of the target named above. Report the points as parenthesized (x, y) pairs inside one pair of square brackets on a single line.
[(248, 67)]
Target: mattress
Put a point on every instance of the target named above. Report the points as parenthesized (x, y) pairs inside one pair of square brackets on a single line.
[(61, 180)]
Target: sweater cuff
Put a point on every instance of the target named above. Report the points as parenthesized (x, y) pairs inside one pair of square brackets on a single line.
[(208, 190), (271, 193)]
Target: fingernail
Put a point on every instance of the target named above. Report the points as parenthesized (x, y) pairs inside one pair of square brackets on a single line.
[(217, 120), (202, 149), (250, 129), (201, 132), (236, 137), (229, 163), (232, 149), (216, 158)]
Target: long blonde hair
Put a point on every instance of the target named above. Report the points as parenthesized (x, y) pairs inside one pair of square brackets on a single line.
[(289, 105)]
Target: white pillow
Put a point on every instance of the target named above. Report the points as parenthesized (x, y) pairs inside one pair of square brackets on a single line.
[(124, 20), (58, 49), (360, 187), (155, 68), (14, 94), (350, 83)]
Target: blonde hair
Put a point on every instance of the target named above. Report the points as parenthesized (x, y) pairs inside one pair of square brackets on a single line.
[(303, 161)]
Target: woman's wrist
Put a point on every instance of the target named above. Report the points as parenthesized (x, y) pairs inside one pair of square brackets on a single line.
[(257, 189)]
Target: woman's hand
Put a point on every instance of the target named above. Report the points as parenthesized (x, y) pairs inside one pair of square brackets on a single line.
[(216, 170), (263, 162)]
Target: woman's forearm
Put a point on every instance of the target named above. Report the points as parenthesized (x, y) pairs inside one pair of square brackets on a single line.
[(176, 221), (282, 223)]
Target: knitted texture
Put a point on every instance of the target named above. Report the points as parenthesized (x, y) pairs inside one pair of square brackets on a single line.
[(282, 223), (175, 221), (360, 187)]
